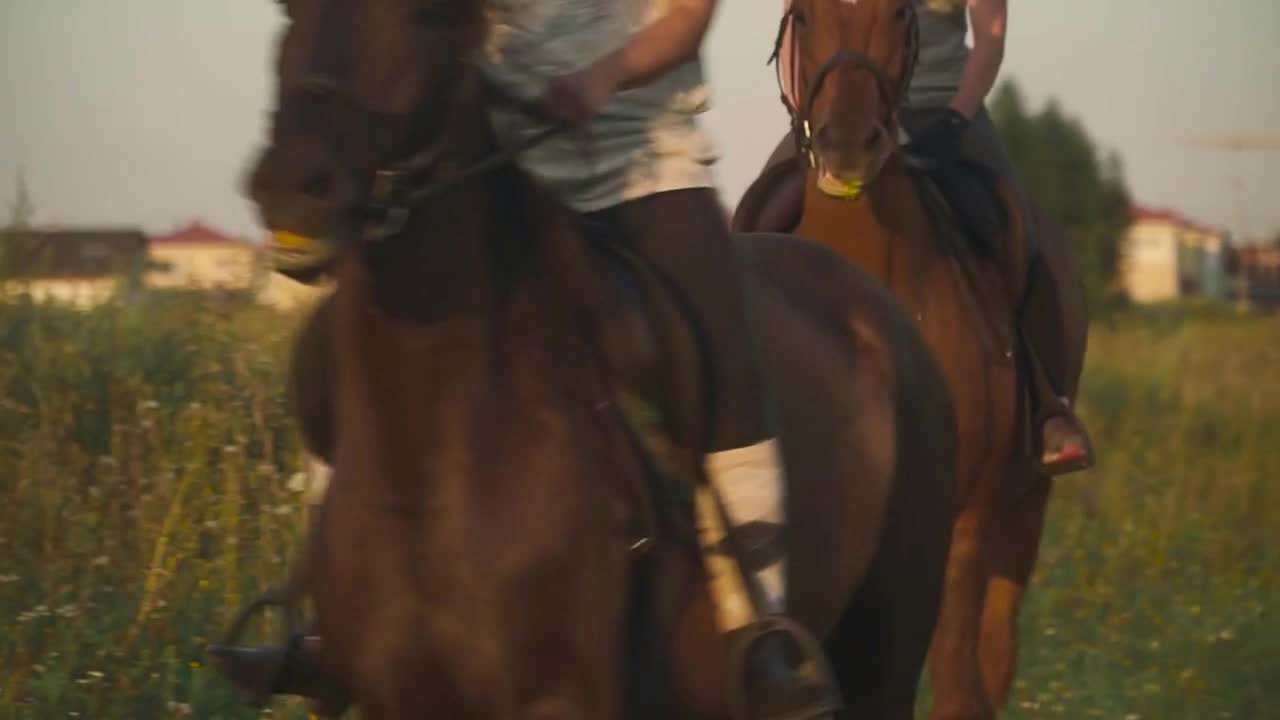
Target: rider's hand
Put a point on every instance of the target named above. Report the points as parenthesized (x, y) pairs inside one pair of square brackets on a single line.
[(941, 139), (579, 96)]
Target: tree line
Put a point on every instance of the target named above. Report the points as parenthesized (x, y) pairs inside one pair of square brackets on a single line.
[(1069, 176)]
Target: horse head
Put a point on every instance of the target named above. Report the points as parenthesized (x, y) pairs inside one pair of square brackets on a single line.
[(851, 63), (364, 99)]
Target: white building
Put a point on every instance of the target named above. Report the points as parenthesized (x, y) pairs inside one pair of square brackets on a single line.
[(1165, 256)]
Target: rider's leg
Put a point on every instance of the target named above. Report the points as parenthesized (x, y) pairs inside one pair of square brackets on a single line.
[(685, 236), (1064, 440)]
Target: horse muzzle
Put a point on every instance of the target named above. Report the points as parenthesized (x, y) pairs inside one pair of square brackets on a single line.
[(305, 199), (847, 159)]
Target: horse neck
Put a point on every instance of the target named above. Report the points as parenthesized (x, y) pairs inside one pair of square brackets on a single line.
[(457, 327), (468, 464), (886, 232)]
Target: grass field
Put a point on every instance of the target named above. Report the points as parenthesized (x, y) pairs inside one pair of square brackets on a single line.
[(148, 486)]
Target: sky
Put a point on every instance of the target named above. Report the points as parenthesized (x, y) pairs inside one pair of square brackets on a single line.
[(147, 112)]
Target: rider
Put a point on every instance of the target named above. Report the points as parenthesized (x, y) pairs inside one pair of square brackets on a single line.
[(627, 77), (946, 117)]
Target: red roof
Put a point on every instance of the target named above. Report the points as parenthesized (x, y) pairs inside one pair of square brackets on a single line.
[(195, 233), (1141, 213)]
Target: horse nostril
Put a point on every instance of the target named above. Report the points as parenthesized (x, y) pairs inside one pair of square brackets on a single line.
[(318, 184), (873, 138)]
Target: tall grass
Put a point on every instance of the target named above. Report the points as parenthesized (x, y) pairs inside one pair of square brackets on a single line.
[(148, 487), (1156, 592), (145, 454)]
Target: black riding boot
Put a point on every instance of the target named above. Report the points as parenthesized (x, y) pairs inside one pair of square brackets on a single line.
[(1063, 445)]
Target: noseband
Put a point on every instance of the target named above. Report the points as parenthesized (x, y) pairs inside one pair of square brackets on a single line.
[(891, 97)]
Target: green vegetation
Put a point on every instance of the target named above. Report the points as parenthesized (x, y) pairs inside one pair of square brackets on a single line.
[(145, 459), (146, 456), (1061, 166), (1156, 591)]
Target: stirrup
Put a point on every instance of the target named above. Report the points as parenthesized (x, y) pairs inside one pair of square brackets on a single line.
[(812, 693), (269, 661), (1077, 462)]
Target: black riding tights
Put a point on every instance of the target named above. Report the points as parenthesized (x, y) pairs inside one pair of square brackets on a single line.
[(685, 236)]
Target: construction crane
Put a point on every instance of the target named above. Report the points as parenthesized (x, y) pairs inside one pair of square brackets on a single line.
[(1236, 141)]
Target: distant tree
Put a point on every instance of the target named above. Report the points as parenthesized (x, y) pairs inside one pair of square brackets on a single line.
[(15, 251), (21, 209), (1066, 175)]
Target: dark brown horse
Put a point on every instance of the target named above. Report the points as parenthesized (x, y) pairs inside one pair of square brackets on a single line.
[(493, 544), (852, 190)]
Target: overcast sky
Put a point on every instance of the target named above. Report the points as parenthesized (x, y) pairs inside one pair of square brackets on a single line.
[(146, 111)]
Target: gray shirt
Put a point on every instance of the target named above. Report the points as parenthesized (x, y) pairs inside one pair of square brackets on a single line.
[(646, 140), (943, 52)]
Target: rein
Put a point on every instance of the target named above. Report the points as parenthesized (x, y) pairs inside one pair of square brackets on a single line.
[(395, 192), (892, 98)]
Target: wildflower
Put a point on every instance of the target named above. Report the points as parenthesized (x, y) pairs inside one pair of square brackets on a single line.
[(297, 482), (195, 665), (100, 561)]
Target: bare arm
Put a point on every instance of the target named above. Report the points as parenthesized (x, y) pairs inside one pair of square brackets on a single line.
[(665, 43), (989, 19)]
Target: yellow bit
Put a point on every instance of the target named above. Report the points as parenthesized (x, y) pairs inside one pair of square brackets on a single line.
[(840, 189), (286, 239)]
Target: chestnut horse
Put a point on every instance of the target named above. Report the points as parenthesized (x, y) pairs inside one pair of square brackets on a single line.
[(850, 189), (494, 542)]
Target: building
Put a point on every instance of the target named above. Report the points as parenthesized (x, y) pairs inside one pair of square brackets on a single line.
[(85, 266), (77, 266), (1165, 256), (1258, 274), (196, 256)]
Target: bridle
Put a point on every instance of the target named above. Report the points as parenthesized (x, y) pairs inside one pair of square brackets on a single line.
[(892, 97), (399, 187)]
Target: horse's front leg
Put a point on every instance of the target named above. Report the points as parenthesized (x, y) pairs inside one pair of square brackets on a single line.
[(1015, 545), (958, 693)]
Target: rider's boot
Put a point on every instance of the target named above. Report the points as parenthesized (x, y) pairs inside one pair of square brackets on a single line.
[(782, 672)]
